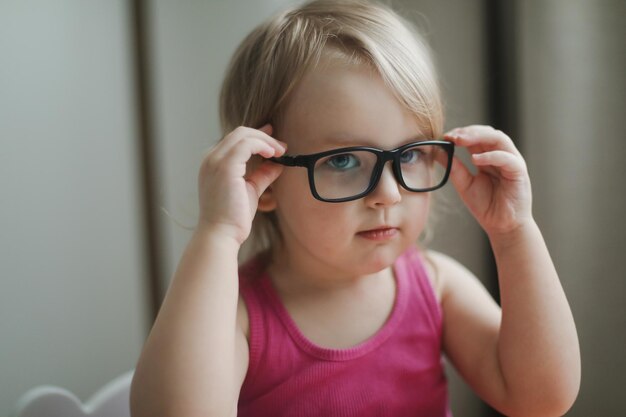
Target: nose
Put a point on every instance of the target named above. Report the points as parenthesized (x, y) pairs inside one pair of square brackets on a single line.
[(387, 191)]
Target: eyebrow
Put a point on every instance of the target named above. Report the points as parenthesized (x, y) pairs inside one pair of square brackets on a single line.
[(345, 140)]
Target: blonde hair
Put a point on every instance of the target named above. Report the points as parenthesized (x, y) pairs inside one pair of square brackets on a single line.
[(274, 57)]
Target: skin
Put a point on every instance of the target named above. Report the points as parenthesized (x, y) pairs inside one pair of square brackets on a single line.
[(524, 359)]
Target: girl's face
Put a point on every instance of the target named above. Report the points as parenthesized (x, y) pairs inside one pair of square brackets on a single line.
[(337, 106)]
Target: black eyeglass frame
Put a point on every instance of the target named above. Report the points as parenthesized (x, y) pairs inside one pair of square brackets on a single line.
[(382, 156)]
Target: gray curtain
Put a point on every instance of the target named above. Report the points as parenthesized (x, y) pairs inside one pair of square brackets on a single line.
[(572, 63)]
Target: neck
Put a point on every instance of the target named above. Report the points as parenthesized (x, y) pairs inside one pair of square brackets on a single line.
[(306, 274)]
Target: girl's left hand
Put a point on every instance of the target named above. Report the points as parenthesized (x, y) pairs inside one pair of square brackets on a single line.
[(499, 194)]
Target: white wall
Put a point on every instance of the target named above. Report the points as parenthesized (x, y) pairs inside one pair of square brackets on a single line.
[(192, 43), (72, 310)]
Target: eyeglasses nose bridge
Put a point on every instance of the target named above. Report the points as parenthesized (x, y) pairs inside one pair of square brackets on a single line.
[(383, 158)]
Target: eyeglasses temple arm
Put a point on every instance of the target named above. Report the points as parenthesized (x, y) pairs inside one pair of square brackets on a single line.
[(290, 161)]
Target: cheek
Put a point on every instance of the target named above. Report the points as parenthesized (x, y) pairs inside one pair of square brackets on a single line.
[(418, 207), (298, 210), (315, 218)]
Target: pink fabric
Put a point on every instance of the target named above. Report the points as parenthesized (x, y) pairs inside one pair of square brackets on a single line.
[(397, 372)]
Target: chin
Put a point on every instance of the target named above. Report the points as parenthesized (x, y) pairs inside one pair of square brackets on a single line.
[(381, 258)]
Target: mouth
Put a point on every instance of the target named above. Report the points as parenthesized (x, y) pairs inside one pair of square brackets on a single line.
[(379, 234)]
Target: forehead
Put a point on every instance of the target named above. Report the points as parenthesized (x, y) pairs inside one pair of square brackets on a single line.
[(338, 104)]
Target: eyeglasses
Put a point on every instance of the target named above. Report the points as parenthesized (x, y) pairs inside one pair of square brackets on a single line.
[(347, 174)]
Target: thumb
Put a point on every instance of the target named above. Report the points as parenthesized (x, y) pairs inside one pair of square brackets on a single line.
[(460, 176), (264, 175)]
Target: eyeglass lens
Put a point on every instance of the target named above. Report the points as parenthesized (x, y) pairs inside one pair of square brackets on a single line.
[(349, 174)]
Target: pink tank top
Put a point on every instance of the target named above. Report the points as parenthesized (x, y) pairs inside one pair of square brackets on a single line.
[(397, 372)]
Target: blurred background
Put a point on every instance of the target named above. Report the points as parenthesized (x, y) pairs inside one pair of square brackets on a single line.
[(106, 108)]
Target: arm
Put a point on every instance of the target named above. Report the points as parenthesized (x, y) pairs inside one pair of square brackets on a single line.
[(538, 344), (188, 365), (196, 356), (524, 360)]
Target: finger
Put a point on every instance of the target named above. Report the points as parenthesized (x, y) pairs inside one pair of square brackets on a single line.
[(267, 130), (481, 137), (510, 166), (243, 133), (236, 161), (263, 176), (245, 149), (460, 175)]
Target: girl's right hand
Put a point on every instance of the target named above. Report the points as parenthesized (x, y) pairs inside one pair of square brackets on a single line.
[(228, 193)]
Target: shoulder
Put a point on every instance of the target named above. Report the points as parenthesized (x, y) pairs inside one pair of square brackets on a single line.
[(444, 271), (465, 301)]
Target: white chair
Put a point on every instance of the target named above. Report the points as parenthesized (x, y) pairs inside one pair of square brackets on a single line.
[(112, 400)]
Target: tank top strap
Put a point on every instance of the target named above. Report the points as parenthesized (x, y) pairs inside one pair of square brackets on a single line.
[(411, 265)]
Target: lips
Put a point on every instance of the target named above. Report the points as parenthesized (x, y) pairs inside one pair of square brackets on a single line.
[(379, 233)]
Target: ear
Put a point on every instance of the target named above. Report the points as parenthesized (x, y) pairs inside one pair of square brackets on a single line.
[(267, 202)]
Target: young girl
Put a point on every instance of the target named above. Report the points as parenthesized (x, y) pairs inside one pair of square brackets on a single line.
[(340, 313)]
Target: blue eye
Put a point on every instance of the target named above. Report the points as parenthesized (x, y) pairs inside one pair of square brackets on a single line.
[(343, 162), (410, 156)]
